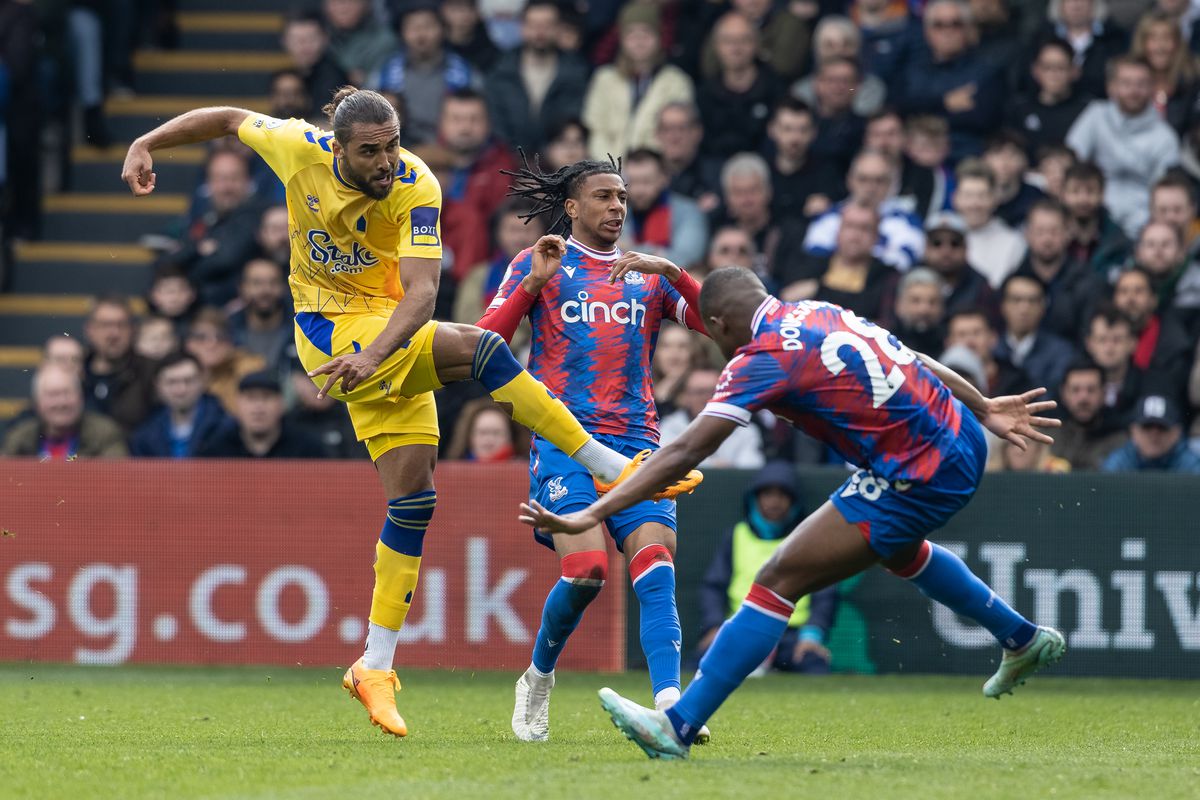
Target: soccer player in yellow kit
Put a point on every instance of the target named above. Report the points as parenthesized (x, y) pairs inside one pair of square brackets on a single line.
[(363, 215)]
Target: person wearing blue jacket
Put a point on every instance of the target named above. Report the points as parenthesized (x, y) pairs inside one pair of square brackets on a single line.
[(187, 417), (773, 509)]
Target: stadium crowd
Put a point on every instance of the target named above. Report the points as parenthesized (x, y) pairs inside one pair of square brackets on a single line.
[(1008, 186)]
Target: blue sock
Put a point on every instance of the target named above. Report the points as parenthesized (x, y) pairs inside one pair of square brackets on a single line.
[(942, 576), (583, 578), (743, 642), (653, 576), (493, 364)]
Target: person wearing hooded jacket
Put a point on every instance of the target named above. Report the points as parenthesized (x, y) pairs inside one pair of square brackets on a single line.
[(773, 508)]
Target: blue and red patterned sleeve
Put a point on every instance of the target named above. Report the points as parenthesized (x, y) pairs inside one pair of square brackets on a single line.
[(681, 302), (512, 302), (750, 381)]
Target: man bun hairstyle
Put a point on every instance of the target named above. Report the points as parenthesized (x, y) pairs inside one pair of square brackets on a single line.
[(351, 106)]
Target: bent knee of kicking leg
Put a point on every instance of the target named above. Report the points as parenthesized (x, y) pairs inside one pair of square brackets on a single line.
[(454, 349)]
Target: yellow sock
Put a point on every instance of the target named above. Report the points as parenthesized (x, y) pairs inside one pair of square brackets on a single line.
[(395, 584), (534, 407)]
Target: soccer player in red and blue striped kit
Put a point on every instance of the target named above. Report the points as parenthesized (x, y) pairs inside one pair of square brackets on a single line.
[(913, 426), (596, 314)]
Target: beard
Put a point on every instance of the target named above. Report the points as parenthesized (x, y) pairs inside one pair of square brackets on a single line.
[(364, 185)]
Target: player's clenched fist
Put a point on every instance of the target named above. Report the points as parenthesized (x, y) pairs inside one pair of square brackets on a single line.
[(137, 170), (545, 259)]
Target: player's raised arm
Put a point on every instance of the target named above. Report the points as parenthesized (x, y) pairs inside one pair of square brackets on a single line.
[(683, 283), (670, 464), (199, 125)]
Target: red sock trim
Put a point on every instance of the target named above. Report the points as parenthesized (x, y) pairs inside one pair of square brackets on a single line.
[(768, 602), (918, 563), (589, 568), (649, 557)]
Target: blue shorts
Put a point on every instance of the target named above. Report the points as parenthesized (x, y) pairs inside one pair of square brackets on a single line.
[(892, 515), (562, 486)]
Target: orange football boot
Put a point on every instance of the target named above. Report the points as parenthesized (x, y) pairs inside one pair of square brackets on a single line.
[(685, 485), (376, 689)]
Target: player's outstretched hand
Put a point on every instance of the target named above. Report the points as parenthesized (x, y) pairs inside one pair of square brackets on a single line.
[(137, 171), (642, 262), (1014, 417), (351, 369), (547, 257), (535, 516)]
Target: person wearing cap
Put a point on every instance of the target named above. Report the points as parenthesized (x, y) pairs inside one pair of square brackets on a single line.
[(965, 289), (1156, 442), (260, 432), (772, 508), (624, 99)]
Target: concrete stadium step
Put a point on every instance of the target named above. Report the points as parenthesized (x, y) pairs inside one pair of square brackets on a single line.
[(11, 406), (220, 6), (16, 370), (85, 267), (130, 117), (28, 320), (93, 170), (204, 72), (110, 217), (223, 29)]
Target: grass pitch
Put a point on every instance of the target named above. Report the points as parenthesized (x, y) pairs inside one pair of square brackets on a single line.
[(70, 732)]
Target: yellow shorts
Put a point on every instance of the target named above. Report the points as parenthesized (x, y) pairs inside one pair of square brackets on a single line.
[(396, 406)]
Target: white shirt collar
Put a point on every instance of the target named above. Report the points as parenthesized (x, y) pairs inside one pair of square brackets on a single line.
[(599, 255)]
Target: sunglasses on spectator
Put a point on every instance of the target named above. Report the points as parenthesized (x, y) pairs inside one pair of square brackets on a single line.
[(946, 24), (946, 241)]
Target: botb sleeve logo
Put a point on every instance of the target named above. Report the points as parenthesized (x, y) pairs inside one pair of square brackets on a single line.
[(425, 226)]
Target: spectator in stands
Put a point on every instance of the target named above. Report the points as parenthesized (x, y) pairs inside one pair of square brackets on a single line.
[(263, 324), (61, 429), (679, 134), (888, 31), (1173, 201), (510, 234), (273, 236), (307, 44), (851, 276), (920, 191), (839, 129), (742, 450), (534, 86), (187, 418), (1036, 457), (772, 508), (1005, 156), (901, 240), (1096, 239), (357, 41), (1088, 434), (324, 418), (260, 432), (117, 382), (950, 78), (571, 31), (423, 72), (1159, 40), (973, 330), (64, 351), (675, 356), (927, 141), (1160, 252), (1050, 169), (916, 318), (946, 254), (1070, 285), (624, 99), (566, 143), (781, 41), (210, 340), (731, 246), (993, 248), (1110, 344), (288, 94), (1193, 392), (1156, 442), (1026, 343), (172, 295), (1128, 141), (736, 101), (1045, 114), (802, 185), (837, 37), (1093, 39), (156, 338), (1164, 348), (223, 239), (466, 34), (746, 196), (660, 222), (485, 434)]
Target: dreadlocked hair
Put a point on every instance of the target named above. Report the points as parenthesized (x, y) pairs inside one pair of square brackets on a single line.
[(548, 192)]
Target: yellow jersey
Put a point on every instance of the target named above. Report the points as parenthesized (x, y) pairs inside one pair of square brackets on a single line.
[(346, 246)]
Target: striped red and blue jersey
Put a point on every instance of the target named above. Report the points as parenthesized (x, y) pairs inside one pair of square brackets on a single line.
[(846, 382), (593, 341)]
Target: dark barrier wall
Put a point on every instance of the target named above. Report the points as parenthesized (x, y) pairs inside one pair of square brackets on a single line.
[(1112, 561)]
